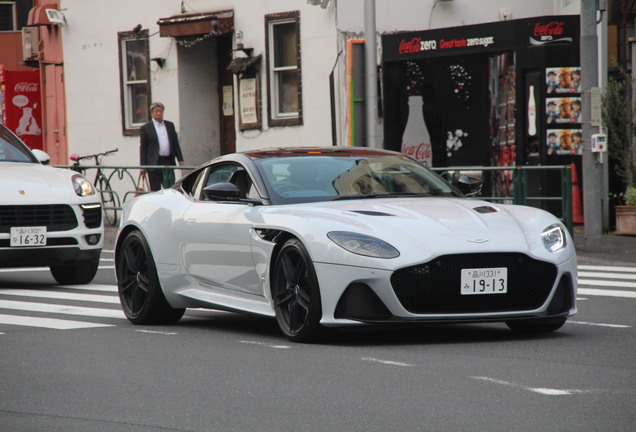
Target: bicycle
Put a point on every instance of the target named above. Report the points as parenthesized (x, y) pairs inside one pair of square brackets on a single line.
[(110, 199)]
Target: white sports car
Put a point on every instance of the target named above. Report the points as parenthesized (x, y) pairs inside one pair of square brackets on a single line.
[(48, 216), (338, 236)]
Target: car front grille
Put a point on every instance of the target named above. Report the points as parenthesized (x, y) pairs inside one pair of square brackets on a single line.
[(434, 287), (55, 217)]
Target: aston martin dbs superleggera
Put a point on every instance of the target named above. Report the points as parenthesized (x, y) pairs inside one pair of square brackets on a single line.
[(339, 236)]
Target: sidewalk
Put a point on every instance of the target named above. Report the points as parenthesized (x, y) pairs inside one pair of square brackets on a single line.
[(612, 250)]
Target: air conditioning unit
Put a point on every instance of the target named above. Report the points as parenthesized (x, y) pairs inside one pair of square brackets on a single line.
[(30, 43)]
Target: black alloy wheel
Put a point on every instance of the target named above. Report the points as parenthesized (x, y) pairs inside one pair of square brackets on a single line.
[(296, 293), (140, 293)]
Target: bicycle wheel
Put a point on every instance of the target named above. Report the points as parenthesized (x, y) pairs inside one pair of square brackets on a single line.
[(110, 199)]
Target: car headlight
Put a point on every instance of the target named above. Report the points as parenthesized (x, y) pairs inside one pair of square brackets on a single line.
[(553, 238), (82, 186), (364, 245)]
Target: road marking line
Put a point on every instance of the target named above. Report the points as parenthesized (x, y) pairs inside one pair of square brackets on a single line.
[(387, 362), (50, 323), (157, 332), (62, 309), (60, 295), (607, 293), (265, 344), (92, 287), (599, 324), (608, 268), (540, 390), (606, 276), (607, 283)]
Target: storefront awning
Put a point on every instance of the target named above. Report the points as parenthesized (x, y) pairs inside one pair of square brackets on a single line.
[(241, 64), (197, 24)]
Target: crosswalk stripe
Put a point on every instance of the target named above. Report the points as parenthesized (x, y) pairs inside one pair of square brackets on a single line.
[(92, 287), (60, 295), (607, 283), (607, 293), (608, 268), (61, 309), (50, 323), (620, 276)]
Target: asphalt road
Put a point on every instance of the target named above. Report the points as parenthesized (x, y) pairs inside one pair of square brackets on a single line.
[(218, 371)]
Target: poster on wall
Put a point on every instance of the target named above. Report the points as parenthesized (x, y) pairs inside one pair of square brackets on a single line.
[(563, 110), (563, 80), (249, 117), (564, 142)]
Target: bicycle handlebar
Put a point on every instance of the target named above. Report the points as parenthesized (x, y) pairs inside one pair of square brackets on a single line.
[(76, 157)]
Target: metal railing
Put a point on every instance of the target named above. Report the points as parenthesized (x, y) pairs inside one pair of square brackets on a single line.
[(122, 183), (517, 181)]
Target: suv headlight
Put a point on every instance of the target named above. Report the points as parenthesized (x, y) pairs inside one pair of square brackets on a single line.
[(553, 238), (362, 244), (82, 186)]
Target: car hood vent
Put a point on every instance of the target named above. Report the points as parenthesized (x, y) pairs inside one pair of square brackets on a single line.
[(485, 209), (371, 213)]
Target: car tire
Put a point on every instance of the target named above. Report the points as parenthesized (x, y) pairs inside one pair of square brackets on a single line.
[(542, 325), (296, 293), (79, 273), (140, 293)]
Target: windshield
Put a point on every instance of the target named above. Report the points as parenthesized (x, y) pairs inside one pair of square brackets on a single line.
[(296, 179), (12, 149)]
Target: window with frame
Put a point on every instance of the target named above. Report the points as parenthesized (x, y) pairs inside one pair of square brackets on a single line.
[(283, 69), (7, 16), (134, 55)]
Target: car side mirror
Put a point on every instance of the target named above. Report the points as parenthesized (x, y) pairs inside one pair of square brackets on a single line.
[(469, 186), (221, 191)]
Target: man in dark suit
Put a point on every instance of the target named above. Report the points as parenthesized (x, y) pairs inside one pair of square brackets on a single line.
[(159, 145)]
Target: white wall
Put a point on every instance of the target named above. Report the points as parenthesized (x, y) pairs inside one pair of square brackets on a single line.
[(91, 58)]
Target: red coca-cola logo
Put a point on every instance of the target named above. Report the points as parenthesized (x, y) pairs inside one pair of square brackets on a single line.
[(24, 87), (412, 46), (420, 152), (553, 28)]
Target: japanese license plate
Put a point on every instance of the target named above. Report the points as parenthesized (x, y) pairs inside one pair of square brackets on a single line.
[(28, 236), (484, 281)]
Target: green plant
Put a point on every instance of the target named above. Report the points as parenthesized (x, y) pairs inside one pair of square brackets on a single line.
[(617, 112), (630, 196)]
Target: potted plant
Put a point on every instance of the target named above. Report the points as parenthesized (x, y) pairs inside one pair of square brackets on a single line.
[(618, 119), (626, 214)]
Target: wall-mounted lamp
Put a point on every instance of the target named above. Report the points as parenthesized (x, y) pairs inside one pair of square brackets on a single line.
[(240, 46), (160, 61)]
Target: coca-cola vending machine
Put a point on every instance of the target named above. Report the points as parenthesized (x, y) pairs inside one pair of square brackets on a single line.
[(20, 105)]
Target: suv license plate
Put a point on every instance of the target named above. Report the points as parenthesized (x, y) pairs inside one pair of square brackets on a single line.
[(484, 281), (28, 236)]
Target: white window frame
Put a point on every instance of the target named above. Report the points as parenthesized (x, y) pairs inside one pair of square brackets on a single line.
[(276, 116), (129, 125)]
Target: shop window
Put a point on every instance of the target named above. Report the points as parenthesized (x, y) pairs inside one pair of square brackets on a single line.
[(135, 85), (283, 66), (7, 17)]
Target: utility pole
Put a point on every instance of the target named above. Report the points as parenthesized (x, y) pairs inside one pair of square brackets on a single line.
[(593, 196), (371, 70)]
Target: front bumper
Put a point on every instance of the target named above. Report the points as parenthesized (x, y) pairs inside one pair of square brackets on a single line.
[(354, 295)]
